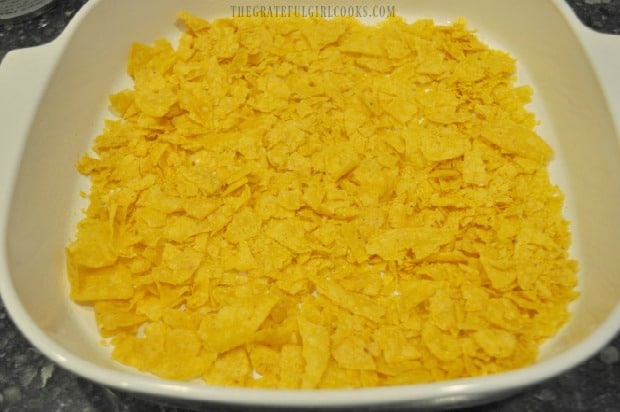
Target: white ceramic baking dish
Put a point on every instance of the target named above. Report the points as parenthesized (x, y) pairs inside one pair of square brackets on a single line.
[(52, 102)]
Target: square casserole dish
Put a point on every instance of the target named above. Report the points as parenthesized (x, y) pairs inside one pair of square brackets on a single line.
[(54, 99)]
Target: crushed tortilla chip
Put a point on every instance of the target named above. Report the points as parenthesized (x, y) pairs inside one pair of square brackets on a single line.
[(316, 203)]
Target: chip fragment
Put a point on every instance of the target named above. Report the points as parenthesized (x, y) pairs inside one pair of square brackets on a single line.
[(315, 203)]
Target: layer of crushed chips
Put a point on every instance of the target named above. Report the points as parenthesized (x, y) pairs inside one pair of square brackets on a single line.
[(315, 203)]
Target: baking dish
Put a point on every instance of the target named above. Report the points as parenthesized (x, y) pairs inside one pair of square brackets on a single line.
[(54, 98)]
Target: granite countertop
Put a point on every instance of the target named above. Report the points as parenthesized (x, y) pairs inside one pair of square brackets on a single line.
[(31, 382)]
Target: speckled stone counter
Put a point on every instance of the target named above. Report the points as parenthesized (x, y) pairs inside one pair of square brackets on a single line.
[(31, 382)]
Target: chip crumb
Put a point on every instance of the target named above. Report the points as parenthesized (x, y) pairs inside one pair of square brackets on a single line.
[(317, 203)]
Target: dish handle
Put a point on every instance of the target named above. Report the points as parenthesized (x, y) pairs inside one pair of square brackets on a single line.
[(604, 53), (23, 78)]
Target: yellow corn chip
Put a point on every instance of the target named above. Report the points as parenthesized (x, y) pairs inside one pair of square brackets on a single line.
[(318, 203)]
